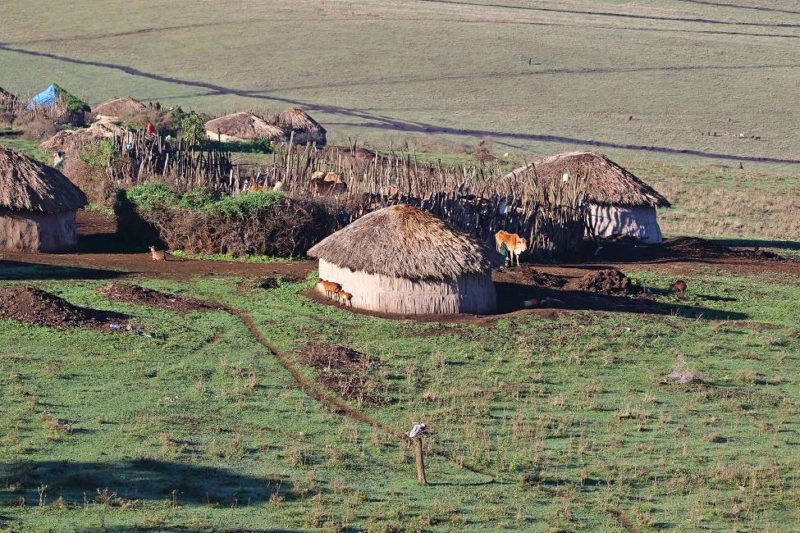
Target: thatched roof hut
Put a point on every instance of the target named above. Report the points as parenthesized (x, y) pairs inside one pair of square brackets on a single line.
[(37, 205), (243, 126), (403, 260), (306, 130), (119, 107), (620, 202)]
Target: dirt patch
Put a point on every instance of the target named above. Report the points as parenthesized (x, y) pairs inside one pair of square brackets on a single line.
[(543, 279), (37, 307), (345, 371), (143, 296), (608, 281)]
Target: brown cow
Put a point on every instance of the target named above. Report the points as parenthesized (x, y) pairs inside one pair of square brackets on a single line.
[(514, 245)]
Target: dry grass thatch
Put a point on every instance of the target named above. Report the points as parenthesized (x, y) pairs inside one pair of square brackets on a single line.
[(243, 126), (306, 130), (119, 107), (28, 185), (404, 242), (71, 141), (606, 182)]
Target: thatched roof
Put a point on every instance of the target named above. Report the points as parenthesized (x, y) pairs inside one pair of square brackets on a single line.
[(119, 107), (28, 185), (243, 126), (404, 242), (306, 130), (607, 183), (72, 140)]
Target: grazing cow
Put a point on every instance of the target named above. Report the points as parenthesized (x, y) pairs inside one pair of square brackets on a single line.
[(328, 288), (679, 287), (344, 297), (158, 255), (514, 245)]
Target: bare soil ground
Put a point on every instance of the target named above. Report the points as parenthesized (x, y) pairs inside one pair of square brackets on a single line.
[(143, 296), (40, 308), (345, 371)]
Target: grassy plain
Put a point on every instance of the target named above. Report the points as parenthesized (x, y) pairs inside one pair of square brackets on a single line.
[(564, 419), (543, 77)]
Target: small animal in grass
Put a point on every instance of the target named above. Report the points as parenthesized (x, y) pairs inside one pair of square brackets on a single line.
[(513, 244), (328, 288), (679, 287), (158, 255), (345, 298)]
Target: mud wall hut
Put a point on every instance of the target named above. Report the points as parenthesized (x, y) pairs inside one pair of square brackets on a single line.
[(619, 202), (405, 261), (37, 205)]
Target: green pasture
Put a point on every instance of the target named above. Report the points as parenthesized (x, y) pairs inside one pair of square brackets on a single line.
[(565, 423)]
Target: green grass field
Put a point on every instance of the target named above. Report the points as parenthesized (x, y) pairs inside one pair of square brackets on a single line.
[(535, 76), (565, 421)]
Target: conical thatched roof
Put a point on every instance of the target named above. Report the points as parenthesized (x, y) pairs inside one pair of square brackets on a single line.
[(243, 126), (607, 183), (119, 107), (404, 242), (28, 185), (306, 129)]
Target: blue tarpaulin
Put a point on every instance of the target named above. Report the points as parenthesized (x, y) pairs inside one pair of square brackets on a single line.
[(46, 98)]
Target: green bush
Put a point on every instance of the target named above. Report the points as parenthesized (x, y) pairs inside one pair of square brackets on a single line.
[(244, 204), (200, 222), (193, 129), (151, 196), (101, 153)]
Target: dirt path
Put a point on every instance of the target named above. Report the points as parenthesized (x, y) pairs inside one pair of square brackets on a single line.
[(319, 393)]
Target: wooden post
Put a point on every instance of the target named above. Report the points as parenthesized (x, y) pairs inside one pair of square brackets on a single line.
[(420, 460), (415, 436)]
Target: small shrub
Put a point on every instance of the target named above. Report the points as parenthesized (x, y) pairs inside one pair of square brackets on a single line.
[(100, 153), (193, 129)]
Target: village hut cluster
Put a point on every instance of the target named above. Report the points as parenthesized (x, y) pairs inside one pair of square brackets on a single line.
[(407, 258), (37, 205), (405, 261)]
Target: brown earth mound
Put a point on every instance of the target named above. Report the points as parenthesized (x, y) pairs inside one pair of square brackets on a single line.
[(143, 296), (694, 247), (608, 281), (37, 307), (543, 279), (345, 371)]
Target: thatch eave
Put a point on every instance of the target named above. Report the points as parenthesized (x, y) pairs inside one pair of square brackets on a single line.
[(28, 185)]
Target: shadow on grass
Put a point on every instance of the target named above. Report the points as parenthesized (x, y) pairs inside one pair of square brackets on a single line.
[(21, 271), (757, 243), (510, 297), (147, 479)]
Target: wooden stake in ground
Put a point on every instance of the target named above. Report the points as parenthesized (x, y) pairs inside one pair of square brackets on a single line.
[(415, 436)]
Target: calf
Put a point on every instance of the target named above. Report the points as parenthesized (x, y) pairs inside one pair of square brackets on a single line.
[(328, 288), (513, 243), (345, 298), (679, 287)]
